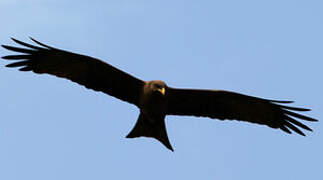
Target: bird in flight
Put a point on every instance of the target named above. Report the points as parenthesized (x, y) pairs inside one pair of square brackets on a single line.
[(154, 98)]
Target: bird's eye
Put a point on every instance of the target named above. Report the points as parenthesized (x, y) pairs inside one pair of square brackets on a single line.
[(158, 86)]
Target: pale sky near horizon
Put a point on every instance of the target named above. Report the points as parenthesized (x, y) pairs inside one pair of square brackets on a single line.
[(51, 128)]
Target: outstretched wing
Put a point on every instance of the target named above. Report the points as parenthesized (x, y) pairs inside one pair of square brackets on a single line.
[(229, 105), (90, 72)]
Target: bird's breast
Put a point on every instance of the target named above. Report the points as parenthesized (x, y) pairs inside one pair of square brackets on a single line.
[(153, 103)]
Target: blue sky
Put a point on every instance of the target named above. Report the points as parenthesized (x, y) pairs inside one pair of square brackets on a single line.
[(53, 129)]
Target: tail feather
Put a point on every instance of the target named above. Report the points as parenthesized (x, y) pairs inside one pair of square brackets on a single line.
[(146, 128)]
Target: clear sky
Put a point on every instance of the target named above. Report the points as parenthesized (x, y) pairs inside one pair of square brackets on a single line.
[(53, 129)]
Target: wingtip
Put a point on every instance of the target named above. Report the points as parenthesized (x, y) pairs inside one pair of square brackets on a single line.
[(31, 38), (14, 39), (5, 46), (293, 108), (34, 40), (5, 57), (302, 134), (283, 101), (303, 117), (41, 44), (26, 68), (286, 130)]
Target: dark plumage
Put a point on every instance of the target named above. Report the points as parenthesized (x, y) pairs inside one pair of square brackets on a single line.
[(154, 98)]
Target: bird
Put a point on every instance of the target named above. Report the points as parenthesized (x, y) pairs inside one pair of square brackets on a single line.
[(155, 99)]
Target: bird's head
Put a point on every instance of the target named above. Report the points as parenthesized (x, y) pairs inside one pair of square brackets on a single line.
[(158, 86)]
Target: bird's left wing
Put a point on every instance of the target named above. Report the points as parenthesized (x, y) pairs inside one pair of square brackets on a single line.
[(90, 72), (229, 105)]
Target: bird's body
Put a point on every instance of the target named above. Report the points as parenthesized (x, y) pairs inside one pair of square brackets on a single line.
[(152, 100), (153, 109), (155, 99)]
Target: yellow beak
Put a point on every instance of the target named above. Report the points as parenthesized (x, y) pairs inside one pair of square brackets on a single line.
[(162, 90)]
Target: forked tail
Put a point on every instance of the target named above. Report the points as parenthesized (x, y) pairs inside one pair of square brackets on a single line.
[(151, 128)]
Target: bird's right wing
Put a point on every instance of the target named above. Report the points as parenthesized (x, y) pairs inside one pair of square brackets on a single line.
[(90, 72), (229, 105)]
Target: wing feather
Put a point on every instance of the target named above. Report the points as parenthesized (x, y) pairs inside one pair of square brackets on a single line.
[(234, 106), (90, 72)]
